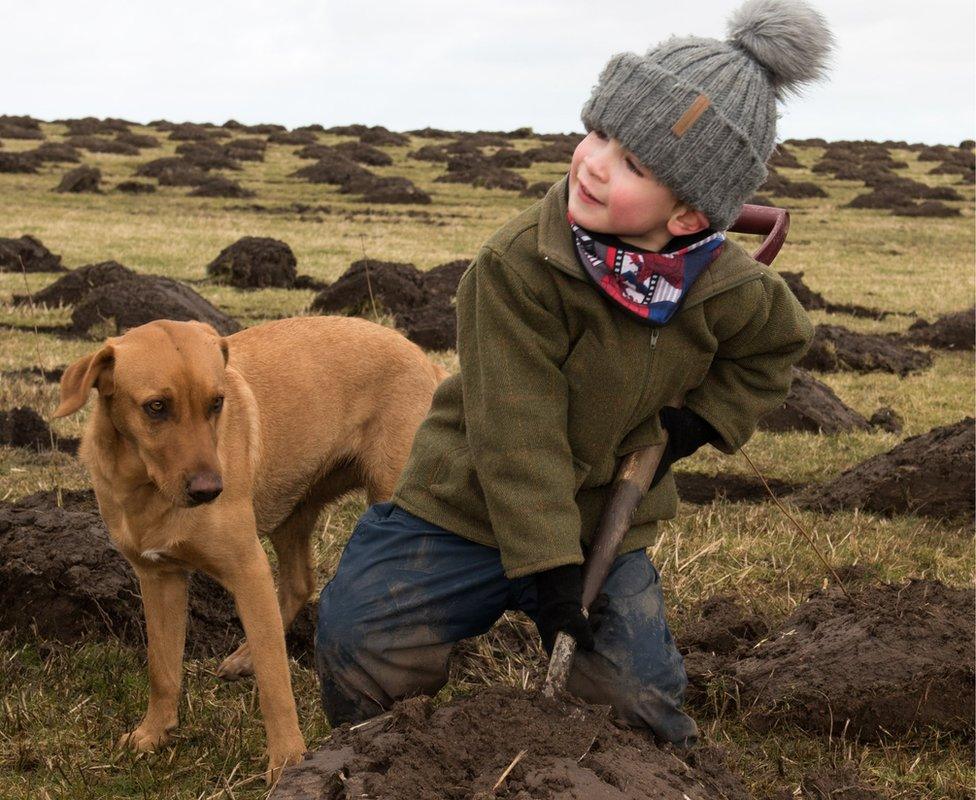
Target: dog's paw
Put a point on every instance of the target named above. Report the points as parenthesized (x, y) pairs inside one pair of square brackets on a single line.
[(278, 760), (237, 665), (143, 740)]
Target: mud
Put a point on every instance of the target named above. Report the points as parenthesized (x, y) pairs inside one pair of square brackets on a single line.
[(932, 474), (461, 749), (27, 254), (254, 262), (24, 427), (420, 302), (897, 658), (72, 288), (956, 331), (837, 349), (814, 407), (80, 179), (219, 186), (60, 572), (699, 489), (140, 299)]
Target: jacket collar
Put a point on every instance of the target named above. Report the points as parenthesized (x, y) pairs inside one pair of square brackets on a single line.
[(733, 267)]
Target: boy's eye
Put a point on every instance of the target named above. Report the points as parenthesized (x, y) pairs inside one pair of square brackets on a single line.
[(600, 135), (634, 168)]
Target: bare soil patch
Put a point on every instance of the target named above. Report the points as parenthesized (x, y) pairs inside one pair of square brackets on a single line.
[(139, 299), (956, 331), (60, 572), (932, 474), (55, 153), (254, 262), (836, 349), (930, 208), (481, 173), (24, 427), (812, 406), (207, 155), (219, 186), (18, 163), (378, 135), (813, 301), (699, 489), (71, 288), (99, 144), (135, 187), (27, 254), (461, 749), (778, 186), (363, 153), (897, 658), (333, 168)]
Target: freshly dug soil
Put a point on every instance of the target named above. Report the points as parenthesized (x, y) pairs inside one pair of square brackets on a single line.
[(461, 749), (832, 783), (254, 262), (60, 572), (56, 153), (887, 419), (135, 187), (137, 139), (932, 474), (487, 176), (139, 299), (899, 658), (812, 406), (553, 153), (814, 301), (699, 489), (432, 326), (334, 169), (96, 144), (390, 189), (188, 175), (158, 166), (219, 186), (80, 179), (930, 208), (378, 135), (27, 254), (363, 153), (442, 280), (292, 137), (778, 186), (429, 152), (956, 331), (836, 349), (24, 427), (207, 155), (48, 375), (509, 158), (70, 289)]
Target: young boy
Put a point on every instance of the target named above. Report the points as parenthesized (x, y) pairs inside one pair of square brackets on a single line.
[(577, 323)]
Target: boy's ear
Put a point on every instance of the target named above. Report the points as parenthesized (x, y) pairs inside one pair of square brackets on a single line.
[(82, 375), (686, 221)]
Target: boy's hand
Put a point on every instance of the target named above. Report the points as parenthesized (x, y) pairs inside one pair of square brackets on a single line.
[(561, 608), (686, 433)]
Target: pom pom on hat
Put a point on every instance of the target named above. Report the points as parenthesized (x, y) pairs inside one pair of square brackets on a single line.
[(789, 38)]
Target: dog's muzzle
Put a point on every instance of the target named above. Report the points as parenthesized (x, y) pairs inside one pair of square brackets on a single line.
[(204, 487)]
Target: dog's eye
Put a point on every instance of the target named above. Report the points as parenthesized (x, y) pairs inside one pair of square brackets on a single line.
[(155, 408), (217, 404)]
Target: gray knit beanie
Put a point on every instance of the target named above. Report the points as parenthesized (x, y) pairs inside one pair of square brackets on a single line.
[(701, 113)]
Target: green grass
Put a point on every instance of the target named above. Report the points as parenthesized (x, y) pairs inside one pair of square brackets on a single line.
[(62, 706)]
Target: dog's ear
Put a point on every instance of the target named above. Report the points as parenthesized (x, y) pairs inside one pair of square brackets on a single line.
[(80, 377)]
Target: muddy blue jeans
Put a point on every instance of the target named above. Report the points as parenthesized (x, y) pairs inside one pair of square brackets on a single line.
[(406, 590)]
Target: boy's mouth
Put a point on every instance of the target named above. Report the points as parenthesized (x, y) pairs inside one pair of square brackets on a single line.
[(586, 196)]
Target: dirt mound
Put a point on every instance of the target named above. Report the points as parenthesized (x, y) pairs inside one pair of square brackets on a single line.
[(812, 406), (699, 489), (318, 151), (836, 349), (48, 375), (462, 749), (485, 175), (135, 187), (378, 135), (246, 149), (832, 783), (292, 137), (219, 186), (60, 572), (186, 175), (189, 132), (207, 155), (955, 331), (22, 163), (814, 301), (363, 153), (335, 169), (887, 419), (782, 157), (139, 140), (71, 288), (27, 254), (24, 427), (10, 130), (97, 144), (555, 152), (931, 474), (422, 309), (253, 262), (429, 152), (930, 208), (80, 179), (509, 158), (898, 658), (390, 189), (143, 298), (88, 126), (55, 153), (778, 186)]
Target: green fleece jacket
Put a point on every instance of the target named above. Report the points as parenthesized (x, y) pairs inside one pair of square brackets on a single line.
[(557, 384)]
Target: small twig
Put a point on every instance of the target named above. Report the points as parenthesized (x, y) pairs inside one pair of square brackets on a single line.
[(800, 528), (508, 769), (369, 286)]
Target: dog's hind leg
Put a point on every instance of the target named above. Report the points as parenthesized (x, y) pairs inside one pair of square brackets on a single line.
[(164, 601), (292, 541)]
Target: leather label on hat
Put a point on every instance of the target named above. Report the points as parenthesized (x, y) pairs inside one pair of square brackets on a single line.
[(690, 117)]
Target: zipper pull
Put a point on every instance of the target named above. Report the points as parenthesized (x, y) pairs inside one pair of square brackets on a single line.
[(654, 334)]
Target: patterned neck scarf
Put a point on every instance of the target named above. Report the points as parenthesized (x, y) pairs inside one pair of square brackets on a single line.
[(651, 286)]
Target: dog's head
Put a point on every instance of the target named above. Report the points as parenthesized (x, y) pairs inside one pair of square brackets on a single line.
[(162, 387)]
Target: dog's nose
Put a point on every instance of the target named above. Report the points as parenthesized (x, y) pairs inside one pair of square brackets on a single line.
[(204, 487)]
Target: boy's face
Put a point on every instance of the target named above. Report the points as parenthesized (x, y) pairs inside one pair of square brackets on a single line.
[(610, 191)]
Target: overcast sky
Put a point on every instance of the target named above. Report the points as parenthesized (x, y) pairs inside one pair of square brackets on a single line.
[(904, 69)]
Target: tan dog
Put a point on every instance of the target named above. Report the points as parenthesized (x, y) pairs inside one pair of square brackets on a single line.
[(199, 443)]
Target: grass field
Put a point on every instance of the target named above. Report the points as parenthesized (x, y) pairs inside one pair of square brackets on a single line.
[(62, 706)]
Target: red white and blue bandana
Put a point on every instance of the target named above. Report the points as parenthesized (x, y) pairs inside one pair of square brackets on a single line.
[(649, 285)]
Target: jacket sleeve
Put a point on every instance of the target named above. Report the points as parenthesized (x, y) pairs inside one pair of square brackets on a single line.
[(761, 336), (516, 401)]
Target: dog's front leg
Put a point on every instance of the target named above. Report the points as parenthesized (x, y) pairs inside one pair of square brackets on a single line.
[(248, 577), (164, 599)]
